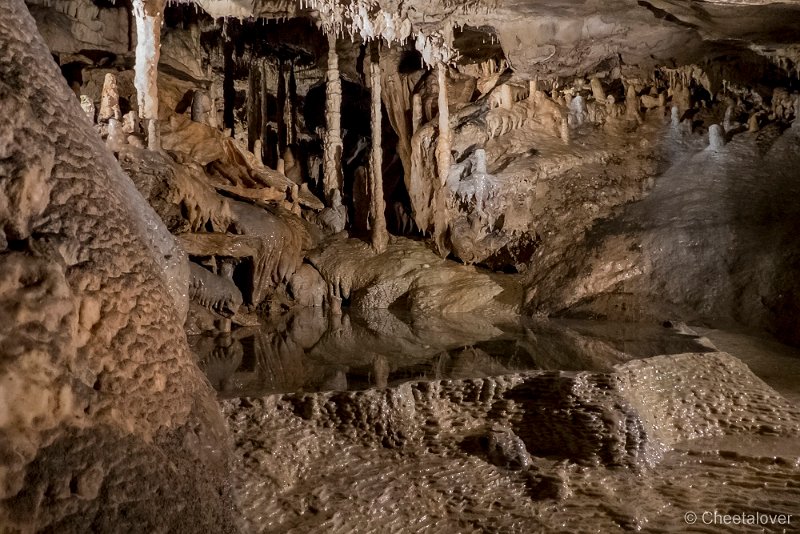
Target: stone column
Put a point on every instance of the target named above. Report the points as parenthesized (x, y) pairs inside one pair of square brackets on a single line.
[(443, 141), (149, 15), (440, 216), (332, 166), (377, 206)]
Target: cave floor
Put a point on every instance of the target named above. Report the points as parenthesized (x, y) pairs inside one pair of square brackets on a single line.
[(311, 459)]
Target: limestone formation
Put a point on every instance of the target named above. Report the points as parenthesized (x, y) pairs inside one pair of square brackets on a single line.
[(96, 368), (378, 234), (109, 100), (149, 15), (332, 163), (213, 291), (449, 266), (442, 161)]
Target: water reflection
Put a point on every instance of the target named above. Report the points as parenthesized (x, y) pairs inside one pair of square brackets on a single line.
[(310, 351)]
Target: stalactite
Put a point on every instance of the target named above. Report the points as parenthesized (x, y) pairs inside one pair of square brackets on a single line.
[(396, 94), (253, 107), (281, 96), (291, 103), (149, 14), (379, 235), (442, 163), (266, 148), (228, 88), (416, 112), (332, 172)]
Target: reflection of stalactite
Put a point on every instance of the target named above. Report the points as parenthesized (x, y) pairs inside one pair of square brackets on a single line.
[(279, 362), (332, 172)]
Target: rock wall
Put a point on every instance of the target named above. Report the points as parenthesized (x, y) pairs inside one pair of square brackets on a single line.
[(106, 424)]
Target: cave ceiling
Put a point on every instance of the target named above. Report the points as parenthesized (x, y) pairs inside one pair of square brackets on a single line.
[(562, 37)]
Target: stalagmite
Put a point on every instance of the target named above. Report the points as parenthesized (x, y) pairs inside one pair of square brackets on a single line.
[(149, 15), (578, 111), (109, 100), (752, 123), (726, 123), (378, 234), (442, 162), (332, 172), (675, 116), (716, 137), (597, 90), (201, 108), (116, 137)]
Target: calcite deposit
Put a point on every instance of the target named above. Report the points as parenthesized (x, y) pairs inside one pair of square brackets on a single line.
[(380, 266)]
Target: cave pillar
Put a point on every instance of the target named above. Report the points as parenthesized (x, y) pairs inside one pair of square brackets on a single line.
[(253, 108), (442, 163), (291, 107), (149, 15), (332, 165), (280, 96), (379, 236), (267, 152)]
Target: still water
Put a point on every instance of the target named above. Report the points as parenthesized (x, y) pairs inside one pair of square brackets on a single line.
[(310, 351)]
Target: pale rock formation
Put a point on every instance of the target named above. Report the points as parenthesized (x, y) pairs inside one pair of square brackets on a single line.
[(716, 137), (130, 122), (88, 108), (149, 15), (597, 90), (109, 100), (116, 137), (332, 163), (379, 236)]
